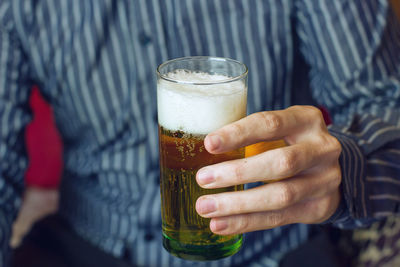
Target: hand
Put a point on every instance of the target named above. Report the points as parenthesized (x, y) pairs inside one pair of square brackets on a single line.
[(308, 166)]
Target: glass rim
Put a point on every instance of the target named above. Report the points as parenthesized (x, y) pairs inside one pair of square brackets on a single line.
[(232, 79)]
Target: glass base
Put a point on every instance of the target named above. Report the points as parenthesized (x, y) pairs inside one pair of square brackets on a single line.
[(202, 252)]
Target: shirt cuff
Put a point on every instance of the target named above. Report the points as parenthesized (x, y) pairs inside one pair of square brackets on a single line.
[(353, 206)]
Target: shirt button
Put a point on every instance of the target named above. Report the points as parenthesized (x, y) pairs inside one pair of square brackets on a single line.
[(144, 39), (148, 237)]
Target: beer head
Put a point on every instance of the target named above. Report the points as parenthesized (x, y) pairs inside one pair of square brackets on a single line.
[(199, 102)]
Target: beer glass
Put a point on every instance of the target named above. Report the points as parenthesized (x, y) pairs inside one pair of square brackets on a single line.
[(195, 96)]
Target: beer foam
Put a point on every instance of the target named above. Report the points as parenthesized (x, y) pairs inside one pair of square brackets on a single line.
[(199, 108)]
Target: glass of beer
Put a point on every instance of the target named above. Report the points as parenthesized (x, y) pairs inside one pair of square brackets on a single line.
[(195, 96)]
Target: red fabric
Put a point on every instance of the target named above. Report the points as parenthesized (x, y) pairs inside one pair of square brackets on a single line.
[(326, 115), (44, 145)]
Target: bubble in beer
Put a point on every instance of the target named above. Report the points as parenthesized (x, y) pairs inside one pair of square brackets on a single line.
[(199, 102)]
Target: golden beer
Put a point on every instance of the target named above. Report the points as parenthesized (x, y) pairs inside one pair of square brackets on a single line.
[(195, 98), (260, 147), (182, 154)]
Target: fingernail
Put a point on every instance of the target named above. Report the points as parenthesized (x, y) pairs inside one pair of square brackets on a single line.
[(205, 176), (205, 206), (215, 141), (218, 225)]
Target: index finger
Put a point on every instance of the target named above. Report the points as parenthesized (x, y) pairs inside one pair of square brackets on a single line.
[(262, 126)]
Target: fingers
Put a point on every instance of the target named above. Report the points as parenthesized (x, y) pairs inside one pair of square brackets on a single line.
[(270, 165), (263, 126), (308, 194), (300, 213), (270, 197)]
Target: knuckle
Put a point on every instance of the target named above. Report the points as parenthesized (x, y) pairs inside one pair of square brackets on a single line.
[(333, 185), (242, 224), (285, 195), (336, 178), (322, 210), (335, 146), (338, 174), (315, 112), (330, 144), (272, 121), (316, 115), (237, 130), (239, 170), (275, 219), (287, 162)]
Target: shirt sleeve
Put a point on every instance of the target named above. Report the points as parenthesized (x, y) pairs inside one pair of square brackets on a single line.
[(353, 50), (14, 115)]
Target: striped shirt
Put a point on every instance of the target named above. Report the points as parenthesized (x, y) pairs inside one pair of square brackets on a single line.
[(95, 62)]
